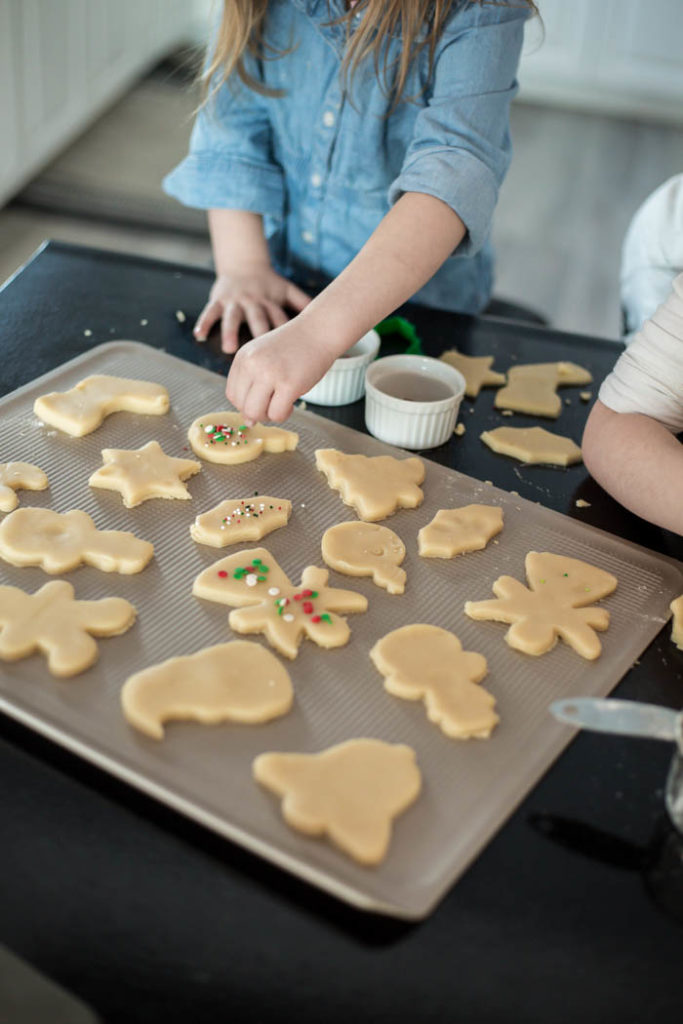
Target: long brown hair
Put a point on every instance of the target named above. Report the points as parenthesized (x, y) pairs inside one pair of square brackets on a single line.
[(419, 22)]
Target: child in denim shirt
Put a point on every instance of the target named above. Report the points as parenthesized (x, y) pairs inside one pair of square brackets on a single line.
[(354, 148)]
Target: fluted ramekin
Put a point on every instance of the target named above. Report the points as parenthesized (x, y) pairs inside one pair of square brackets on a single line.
[(414, 425), (344, 382)]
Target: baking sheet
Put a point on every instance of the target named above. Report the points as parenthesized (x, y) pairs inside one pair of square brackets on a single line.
[(469, 788)]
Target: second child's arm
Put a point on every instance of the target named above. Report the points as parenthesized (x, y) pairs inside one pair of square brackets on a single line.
[(402, 254), (639, 462)]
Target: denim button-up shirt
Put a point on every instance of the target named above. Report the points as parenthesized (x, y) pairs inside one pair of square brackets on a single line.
[(323, 166)]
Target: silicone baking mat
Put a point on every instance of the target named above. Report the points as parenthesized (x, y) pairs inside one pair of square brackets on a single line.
[(469, 787)]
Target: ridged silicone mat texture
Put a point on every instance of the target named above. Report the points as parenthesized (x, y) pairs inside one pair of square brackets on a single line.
[(469, 787)]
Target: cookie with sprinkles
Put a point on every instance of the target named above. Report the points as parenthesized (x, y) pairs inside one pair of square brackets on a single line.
[(240, 519), (224, 438), (265, 601)]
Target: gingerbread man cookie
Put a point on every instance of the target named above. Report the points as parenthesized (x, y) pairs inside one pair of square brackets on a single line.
[(555, 604), (233, 682), (421, 662), (475, 369), (532, 387), (82, 409), (223, 437), (144, 473), (53, 622), (266, 602), (350, 792), (19, 476), (58, 542), (376, 486), (366, 549), (454, 531), (241, 519)]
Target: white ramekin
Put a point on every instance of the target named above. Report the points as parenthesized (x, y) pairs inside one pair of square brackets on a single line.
[(344, 382), (412, 424)]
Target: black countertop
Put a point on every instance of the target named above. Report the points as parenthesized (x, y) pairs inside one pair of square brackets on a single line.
[(573, 912)]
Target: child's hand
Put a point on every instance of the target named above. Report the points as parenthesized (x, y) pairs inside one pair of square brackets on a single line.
[(271, 372), (257, 295)]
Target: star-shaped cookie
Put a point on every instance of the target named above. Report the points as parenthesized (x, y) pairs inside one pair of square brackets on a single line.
[(144, 473), (266, 602), (80, 410), (350, 792), (376, 486), (453, 531), (224, 437), (475, 369), (554, 605), (53, 622), (18, 476), (421, 662)]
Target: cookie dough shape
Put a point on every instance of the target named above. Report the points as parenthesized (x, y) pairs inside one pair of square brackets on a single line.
[(240, 519), (350, 792), (366, 549), (82, 409), (677, 624), (375, 486), (421, 662), (475, 369), (532, 387), (19, 476), (454, 531), (234, 682), (53, 622), (555, 604), (264, 601), (144, 473), (533, 445), (59, 542), (223, 437)]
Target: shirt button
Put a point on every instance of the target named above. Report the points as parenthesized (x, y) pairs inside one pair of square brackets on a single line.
[(316, 180), (328, 118), (308, 236)]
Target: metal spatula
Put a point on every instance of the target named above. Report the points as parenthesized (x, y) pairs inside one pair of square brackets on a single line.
[(629, 718)]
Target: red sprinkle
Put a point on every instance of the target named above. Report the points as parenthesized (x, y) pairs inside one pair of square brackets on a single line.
[(222, 573), (316, 618), (306, 593), (308, 607), (297, 597)]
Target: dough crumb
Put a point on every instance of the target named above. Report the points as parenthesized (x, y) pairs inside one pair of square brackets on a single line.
[(507, 412), (516, 493), (460, 429), (567, 401), (144, 322), (582, 503), (87, 333), (585, 396), (489, 482), (180, 316)]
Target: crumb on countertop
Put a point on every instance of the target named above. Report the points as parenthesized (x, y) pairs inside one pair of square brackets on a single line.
[(582, 503), (180, 316), (585, 396), (507, 412), (460, 429)]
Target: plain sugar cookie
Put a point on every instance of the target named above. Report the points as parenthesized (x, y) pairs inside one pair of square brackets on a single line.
[(54, 623), (375, 486), (59, 542), (366, 549), (223, 437), (240, 519), (677, 624), (533, 445), (19, 476), (233, 682), (144, 473), (82, 409), (350, 792), (421, 662), (554, 605), (454, 531)]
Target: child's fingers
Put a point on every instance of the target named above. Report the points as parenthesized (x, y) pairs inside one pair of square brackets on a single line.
[(256, 318), (277, 315), (233, 316), (255, 405), (206, 319), (295, 298), (281, 405)]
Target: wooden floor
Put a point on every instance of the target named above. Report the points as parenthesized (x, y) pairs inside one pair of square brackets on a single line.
[(575, 181)]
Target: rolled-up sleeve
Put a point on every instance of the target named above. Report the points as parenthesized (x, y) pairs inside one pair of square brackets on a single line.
[(230, 164), (461, 148)]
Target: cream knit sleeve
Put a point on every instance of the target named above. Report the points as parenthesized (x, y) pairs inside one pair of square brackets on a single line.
[(648, 376)]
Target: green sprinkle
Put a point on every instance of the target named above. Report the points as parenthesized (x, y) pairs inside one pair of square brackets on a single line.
[(565, 574), (243, 427), (314, 593), (325, 617), (261, 579)]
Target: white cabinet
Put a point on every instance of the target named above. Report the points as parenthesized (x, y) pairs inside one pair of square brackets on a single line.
[(621, 56), (63, 61)]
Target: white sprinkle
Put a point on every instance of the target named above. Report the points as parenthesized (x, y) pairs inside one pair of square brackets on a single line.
[(251, 580), (208, 429), (282, 602), (233, 443), (288, 617), (273, 591), (180, 316)]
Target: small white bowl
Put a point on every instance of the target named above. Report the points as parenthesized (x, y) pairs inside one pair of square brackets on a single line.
[(344, 382), (408, 423)]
